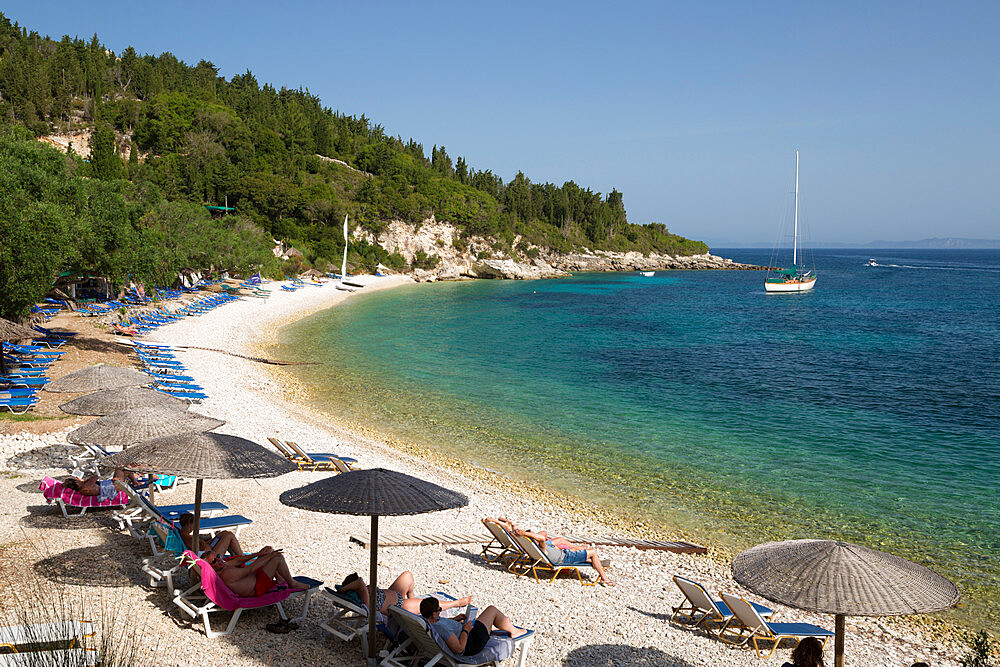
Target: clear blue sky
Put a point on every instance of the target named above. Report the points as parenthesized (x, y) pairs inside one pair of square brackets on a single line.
[(693, 110)]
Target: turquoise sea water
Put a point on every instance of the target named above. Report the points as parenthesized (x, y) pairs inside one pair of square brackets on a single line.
[(868, 409)]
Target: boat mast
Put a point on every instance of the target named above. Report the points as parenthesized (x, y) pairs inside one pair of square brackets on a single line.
[(343, 268), (795, 237)]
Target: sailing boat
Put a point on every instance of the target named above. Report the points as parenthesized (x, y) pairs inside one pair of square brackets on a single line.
[(793, 279), (343, 285)]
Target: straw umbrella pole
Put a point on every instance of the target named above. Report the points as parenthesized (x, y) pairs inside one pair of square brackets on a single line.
[(842, 579), (375, 492), (200, 456)]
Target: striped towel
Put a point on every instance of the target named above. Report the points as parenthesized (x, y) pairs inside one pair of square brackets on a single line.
[(53, 489)]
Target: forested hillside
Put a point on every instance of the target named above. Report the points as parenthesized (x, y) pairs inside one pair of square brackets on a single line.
[(165, 132)]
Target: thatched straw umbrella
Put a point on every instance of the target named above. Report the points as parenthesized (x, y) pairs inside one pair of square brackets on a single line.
[(375, 492), (109, 401), (130, 427), (10, 332), (96, 378), (842, 579), (201, 456)]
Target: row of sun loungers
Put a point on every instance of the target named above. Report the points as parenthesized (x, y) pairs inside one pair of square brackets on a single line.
[(739, 621), (732, 619), (26, 367), (168, 374), (411, 638), (522, 555), (312, 461), (143, 323)]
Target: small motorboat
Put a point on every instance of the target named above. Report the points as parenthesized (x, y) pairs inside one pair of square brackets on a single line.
[(648, 274), (872, 262)]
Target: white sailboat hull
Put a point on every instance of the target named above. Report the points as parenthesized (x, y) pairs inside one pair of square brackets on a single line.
[(791, 285), (792, 280)]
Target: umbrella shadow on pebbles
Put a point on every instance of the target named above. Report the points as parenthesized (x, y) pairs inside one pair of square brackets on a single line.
[(95, 345), (612, 655), (660, 616), (473, 558), (100, 566), (48, 517), (46, 458), (28, 487)]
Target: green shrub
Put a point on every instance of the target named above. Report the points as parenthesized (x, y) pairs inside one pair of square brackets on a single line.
[(422, 260)]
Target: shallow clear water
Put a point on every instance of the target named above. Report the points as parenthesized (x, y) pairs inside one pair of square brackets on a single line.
[(867, 410)]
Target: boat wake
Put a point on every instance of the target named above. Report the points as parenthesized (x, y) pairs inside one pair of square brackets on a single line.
[(942, 268)]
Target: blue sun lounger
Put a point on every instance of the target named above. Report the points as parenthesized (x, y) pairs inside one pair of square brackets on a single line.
[(18, 405), (754, 628), (190, 396), (145, 510), (699, 607)]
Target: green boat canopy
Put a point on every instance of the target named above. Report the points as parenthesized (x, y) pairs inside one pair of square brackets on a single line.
[(224, 209)]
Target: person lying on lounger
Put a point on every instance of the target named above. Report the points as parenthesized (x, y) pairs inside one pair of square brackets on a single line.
[(223, 543), (466, 637), (399, 594), (558, 549), (104, 489), (558, 540), (253, 575)]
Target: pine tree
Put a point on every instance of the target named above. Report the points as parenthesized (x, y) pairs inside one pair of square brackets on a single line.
[(104, 161)]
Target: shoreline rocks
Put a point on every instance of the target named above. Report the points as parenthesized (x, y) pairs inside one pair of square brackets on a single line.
[(445, 254)]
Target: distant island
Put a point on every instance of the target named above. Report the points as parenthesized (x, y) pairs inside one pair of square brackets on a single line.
[(938, 243)]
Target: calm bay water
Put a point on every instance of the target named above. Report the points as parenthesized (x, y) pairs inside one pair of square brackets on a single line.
[(868, 409)]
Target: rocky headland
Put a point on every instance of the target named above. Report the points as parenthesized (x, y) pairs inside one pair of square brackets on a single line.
[(452, 256)]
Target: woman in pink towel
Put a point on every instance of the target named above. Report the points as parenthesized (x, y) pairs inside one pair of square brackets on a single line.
[(104, 489), (253, 575)]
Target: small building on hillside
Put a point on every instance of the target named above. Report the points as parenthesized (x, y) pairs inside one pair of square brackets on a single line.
[(285, 251)]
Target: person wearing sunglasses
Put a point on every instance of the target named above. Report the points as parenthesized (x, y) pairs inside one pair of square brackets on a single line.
[(466, 637)]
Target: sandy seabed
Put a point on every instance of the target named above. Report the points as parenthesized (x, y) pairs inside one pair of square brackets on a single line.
[(86, 567)]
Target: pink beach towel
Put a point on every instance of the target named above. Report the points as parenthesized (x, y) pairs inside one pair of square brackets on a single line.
[(217, 591), (53, 489)]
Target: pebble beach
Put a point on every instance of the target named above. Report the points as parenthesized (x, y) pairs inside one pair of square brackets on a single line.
[(91, 568)]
